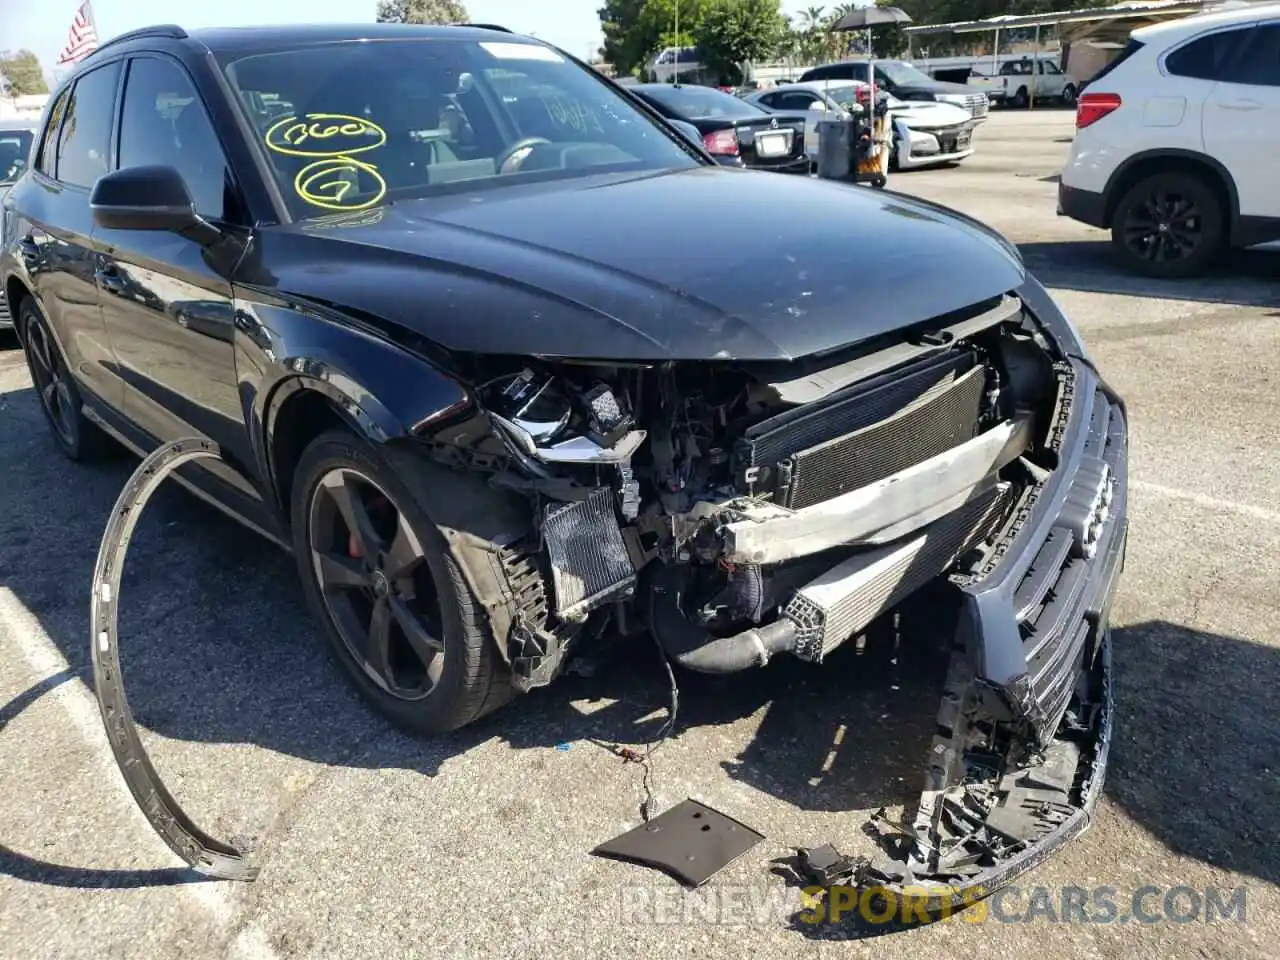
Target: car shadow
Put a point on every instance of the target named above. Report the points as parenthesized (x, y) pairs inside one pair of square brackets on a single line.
[(1247, 278), (218, 647), (21, 867)]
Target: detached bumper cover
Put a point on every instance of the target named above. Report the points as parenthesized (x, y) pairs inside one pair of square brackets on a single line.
[(1019, 761)]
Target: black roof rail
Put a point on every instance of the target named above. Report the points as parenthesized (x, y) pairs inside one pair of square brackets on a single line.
[(169, 30), (491, 26)]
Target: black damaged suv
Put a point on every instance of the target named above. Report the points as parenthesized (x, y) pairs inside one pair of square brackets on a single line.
[(432, 293)]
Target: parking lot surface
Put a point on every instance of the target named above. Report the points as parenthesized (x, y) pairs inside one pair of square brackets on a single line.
[(374, 844)]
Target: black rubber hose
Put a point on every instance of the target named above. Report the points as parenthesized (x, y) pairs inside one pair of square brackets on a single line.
[(742, 651)]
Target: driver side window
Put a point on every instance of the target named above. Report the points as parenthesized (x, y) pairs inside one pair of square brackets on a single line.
[(164, 122)]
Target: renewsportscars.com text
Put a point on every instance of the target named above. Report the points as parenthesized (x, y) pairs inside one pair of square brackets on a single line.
[(741, 905)]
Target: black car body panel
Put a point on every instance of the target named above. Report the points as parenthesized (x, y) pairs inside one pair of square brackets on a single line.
[(701, 393), (623, 288)]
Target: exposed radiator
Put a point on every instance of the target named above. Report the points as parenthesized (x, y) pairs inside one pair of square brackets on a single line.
[(864, 434), (589, 559)]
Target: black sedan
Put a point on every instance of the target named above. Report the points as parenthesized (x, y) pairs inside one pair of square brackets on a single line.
[(733, 131), (427, 292)]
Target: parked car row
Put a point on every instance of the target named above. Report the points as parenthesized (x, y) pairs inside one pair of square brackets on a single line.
[(15, 146), (777, 128)]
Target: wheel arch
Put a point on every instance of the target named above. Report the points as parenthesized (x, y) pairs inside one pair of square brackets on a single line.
[(1164, 160), (15, 291)]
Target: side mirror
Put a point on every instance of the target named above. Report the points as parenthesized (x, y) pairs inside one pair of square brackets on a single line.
[(689, 131), (148, 198), (817, 106)]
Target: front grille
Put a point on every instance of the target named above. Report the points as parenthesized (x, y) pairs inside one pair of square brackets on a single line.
[(976, 104), (5, 318), (1056, 604), (589, 559), (864, 434)]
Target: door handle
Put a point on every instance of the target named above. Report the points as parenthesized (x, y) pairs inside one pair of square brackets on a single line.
[(110, 280), (1239, 104)]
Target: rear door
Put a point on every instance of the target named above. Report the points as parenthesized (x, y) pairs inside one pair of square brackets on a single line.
[(1242, 120), (53, 232)]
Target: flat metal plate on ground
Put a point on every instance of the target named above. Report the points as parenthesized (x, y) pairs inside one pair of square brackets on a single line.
[(691, 842)]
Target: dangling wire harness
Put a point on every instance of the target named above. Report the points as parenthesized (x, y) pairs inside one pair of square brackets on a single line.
[(202, 852)]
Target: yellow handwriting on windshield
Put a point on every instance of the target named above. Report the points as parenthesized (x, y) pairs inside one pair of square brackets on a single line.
[(327, 182), (324, 135)]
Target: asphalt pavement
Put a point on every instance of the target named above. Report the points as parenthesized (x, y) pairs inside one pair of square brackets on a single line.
[(376, 844)]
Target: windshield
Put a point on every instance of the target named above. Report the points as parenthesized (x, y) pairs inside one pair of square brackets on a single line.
[(845, 96), (900, 73), (701, 103), (347, 126), (15, 147)]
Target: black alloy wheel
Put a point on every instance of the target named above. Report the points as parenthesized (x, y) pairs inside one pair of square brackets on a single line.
[(398, 613), (1069, 96), (371, 569), (1169, 225), (76, 436)]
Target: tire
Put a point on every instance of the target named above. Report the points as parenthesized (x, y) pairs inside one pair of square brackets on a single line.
[(77, 437), (1069, 96), (1193, 233), (1020, 99), (470, 679)]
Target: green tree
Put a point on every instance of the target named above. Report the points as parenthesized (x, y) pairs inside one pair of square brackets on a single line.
[(422, 11), (731, 33), (20, 73), (635, 30)]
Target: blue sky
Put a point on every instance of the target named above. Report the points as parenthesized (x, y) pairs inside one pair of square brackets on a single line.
[(42, 26)]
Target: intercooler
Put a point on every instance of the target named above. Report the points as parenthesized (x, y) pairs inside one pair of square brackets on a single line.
[(847, 598), (864, 434)]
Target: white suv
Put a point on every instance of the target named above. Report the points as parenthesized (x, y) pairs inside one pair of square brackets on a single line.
[(1177, 146)]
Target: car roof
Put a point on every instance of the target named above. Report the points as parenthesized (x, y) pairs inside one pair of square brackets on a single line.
[(234, 41), (833, 84), (1189, 26), (19, 123)]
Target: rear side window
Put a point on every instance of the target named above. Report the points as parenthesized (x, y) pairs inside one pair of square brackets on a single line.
[(1133, 47), (1205, 58), (84, 144), (1258, 61), (46, 163)]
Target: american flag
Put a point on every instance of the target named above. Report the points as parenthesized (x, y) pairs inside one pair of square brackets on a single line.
[(82, 39)]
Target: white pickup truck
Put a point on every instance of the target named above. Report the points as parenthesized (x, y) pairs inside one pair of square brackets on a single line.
[(1019, 80)]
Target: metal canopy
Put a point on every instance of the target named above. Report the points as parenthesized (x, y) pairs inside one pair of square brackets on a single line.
[(1168, 8)]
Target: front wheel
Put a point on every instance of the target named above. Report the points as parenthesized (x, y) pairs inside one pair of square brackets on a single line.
[(1069, 96), (1169, 225), (398, 614), (1020, 99)]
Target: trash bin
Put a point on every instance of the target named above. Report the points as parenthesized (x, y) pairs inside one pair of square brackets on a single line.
[(835, 149)]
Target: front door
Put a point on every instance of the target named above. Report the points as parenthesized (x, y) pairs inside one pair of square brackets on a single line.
[(167, 300)]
